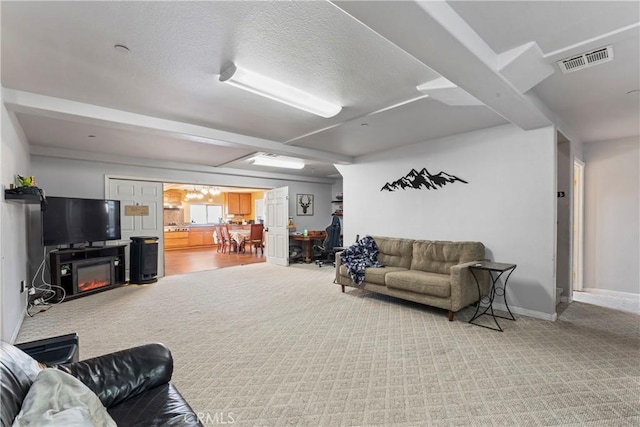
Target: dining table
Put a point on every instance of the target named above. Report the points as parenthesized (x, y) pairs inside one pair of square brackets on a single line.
[(239, 236)]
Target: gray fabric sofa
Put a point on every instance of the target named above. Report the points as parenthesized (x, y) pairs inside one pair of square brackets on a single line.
[(434, 273)]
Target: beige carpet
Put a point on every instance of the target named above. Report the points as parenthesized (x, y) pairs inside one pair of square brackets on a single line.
[(274, 346)]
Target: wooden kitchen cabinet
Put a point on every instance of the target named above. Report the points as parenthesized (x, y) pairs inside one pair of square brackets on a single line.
[(176, 239), (193, 238), (239, 203), (201, 236), (245, 203), (207, 238), (196, 238), (172, 197)]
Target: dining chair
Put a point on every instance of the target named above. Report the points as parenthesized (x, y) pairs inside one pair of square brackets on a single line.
[(255, 237), (218, 237), (224, 228)]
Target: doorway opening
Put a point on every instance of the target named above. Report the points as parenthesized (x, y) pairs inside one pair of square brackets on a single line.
[(578, 226), (191, 213)]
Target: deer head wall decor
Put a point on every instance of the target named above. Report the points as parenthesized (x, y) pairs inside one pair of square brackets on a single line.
[(305, 201)]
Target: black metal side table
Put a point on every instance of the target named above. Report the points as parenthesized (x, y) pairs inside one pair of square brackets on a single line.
[(500, 269)]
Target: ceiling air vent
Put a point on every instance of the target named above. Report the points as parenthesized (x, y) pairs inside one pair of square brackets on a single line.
[(586, 60)]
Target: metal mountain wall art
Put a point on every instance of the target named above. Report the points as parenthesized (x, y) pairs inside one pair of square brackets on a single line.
[(422, 180)]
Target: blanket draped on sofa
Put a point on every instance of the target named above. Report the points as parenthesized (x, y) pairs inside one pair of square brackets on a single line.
[(364, 253)]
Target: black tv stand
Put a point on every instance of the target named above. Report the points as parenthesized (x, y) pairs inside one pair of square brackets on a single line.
[(66, 263), (81, 246)]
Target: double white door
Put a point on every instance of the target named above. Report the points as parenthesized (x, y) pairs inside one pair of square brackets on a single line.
[(140, 193)]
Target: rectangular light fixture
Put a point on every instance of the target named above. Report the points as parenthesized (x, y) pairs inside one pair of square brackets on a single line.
[(277, 91), (278, 162)]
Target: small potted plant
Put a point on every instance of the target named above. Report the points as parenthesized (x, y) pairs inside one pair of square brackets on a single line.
[(26, 181), (64, 269)]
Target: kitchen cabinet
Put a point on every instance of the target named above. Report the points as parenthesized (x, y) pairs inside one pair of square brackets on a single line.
[(201, 236), (239, 203), (176, 239), (172, 197), (195, 237)]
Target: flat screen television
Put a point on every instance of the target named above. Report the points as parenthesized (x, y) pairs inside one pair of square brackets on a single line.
[(66, 221)]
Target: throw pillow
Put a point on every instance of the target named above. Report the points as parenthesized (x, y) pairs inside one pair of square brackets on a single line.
[(59, 399)]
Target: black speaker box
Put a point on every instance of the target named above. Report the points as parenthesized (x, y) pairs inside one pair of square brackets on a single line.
[(143, 267)]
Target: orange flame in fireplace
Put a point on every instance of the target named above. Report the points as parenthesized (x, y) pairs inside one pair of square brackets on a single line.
[(87, 286)]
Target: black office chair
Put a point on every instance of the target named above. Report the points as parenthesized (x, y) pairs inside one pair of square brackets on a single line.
[(326, 252)]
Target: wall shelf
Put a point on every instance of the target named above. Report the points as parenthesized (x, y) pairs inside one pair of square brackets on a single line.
[(22, 198), (338, 210)]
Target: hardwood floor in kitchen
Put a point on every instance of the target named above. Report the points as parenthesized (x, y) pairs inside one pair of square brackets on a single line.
[(182, 261)]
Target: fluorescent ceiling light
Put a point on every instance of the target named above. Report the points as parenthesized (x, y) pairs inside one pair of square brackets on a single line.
[(277, 162), (277, 91)]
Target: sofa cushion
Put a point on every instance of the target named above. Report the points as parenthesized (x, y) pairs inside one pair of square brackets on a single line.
[(376, 275), (439, 256), (394, 252), (421, 282), (372, 274)]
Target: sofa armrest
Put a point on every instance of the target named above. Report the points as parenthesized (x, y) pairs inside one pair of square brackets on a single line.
[(117, 376), (464, 290), (338, 264)]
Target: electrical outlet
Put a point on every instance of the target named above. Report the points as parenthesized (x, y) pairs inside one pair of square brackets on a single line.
[(21, 286)]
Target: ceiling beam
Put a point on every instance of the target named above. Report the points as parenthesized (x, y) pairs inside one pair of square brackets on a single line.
[(433, 33), (64, 109), (66, 154)]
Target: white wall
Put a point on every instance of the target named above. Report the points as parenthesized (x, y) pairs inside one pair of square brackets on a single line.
[(15, 160), (612, 215), (509, 203)]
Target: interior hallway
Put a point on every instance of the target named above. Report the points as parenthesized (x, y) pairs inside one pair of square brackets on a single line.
[(630, 303), (192, 260)]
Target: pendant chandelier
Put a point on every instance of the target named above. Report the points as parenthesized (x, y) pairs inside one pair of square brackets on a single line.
[(199, 195)]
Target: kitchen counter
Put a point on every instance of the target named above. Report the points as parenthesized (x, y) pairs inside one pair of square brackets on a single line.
[(186, 227), (174, 228)]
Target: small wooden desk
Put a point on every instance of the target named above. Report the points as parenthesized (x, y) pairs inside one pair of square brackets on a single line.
[(313, 236)]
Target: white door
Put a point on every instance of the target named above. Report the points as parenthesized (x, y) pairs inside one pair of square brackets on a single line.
[(276, 221), (140, 193)]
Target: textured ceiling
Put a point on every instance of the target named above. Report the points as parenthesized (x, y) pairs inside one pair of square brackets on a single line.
[(162, 100)]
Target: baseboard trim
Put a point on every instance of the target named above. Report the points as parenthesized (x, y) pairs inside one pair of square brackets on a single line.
[(610, 293), (16, 331), (526, 312)]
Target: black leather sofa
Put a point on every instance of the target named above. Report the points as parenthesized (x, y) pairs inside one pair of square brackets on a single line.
[(132, 384)]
